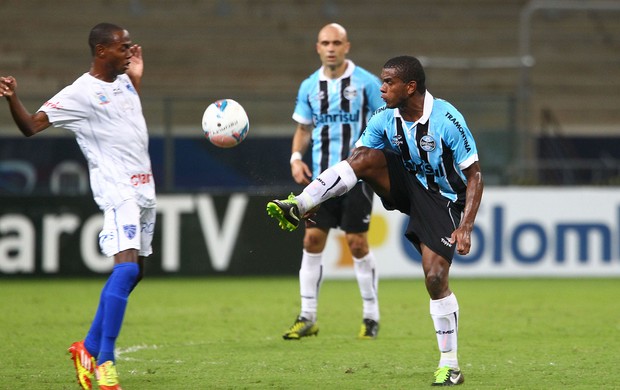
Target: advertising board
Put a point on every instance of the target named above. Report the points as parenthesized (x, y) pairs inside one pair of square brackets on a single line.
[(519, 232)]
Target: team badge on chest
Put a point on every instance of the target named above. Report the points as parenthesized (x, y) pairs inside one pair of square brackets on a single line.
[(103, 99), (427, 143), (349, 92)]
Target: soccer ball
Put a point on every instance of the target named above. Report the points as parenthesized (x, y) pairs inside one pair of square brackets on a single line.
[(225, 123)]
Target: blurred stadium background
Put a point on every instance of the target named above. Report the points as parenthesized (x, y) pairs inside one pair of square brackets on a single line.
[(537, 81)]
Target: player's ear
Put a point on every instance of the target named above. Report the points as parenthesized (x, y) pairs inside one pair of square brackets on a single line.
[(100, 50), (412, 86)]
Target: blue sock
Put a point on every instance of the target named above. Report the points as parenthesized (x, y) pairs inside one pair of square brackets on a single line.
[(92, 342), (121, 283)]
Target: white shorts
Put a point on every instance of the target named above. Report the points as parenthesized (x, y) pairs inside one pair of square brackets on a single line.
[(127, 227)]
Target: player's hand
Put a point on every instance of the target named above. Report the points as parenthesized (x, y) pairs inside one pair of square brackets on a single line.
[(136, 64), (462, 237), (301, 172), (8, 84), (309, 216)]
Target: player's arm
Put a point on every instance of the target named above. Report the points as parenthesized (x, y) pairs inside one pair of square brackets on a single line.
[(136, 67), (473, 197), (301, 141), (27, 123)]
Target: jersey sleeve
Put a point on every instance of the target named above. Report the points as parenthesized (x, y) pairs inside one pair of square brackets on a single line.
[(303, 110), (462, 142), (67, 106)]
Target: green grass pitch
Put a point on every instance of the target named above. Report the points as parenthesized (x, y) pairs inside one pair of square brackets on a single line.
[(225, 333)]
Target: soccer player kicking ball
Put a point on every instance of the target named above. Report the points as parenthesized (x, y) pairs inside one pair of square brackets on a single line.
[(418, 155), (103, 109)]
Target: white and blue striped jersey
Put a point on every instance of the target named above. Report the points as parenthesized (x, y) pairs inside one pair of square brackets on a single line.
[(436, 148), (338, 110)]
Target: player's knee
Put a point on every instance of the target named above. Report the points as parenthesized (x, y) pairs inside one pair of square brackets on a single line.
[(313, 243), (360, 156), (359, 251), (435, 284), (358, 246), (366, 160), (433, 279)]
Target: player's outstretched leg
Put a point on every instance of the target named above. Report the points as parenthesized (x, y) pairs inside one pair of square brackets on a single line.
[(286, 212), (84, 364)]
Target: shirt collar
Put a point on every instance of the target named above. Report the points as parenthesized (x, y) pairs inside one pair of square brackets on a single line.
[(426, 111), (348, 72)]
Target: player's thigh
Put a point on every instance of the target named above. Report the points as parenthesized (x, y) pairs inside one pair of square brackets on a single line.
[(370, 165), (148, 217), (125, 227), (432, 220)]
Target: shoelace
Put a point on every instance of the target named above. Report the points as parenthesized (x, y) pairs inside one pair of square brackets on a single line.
[(108, 374), (441, 375), (297, 326)]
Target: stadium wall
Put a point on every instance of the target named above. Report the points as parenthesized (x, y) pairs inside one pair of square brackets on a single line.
[(520, 232), (54, 165)]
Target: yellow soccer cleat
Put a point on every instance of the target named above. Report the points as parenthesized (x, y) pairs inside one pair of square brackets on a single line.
[(84, 364), (302, 327), (446, 376), (368, 330), (107, 377)]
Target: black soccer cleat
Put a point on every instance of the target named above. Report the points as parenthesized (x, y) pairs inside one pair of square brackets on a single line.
[(369, 329), (286, 212), (302, 327)]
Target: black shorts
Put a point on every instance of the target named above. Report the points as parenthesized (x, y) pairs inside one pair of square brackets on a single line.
[(350, 212), (432, 217)]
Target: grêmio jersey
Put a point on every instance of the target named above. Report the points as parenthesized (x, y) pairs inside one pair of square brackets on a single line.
[(436, 148), (109, 127), (338, 110)]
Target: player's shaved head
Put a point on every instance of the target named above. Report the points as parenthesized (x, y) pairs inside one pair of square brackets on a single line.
[(334, 27)]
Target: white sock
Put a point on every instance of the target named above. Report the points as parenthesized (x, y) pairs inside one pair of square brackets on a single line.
[(332, 182), (310, 278), (445, 315), (368, 280)]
